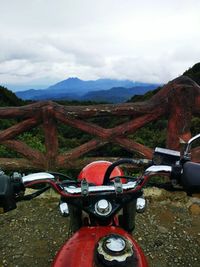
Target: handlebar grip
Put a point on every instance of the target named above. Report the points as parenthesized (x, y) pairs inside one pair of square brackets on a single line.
[(7, 199), (10, 188)]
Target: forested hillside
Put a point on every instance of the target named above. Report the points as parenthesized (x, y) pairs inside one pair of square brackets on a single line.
[(8, 98), (194, 73)]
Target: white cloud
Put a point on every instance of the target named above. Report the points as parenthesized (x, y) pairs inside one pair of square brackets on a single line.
[(43, 41)]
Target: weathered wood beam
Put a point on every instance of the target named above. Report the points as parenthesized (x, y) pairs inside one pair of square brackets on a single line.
[(134, 147), (126, 109), (79, 151), (14, 164), (99, 110), (28, 152), (135, 124), (19, 128), (27, 111), (87, 127)]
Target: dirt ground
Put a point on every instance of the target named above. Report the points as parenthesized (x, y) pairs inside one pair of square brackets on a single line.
[(32, 234)]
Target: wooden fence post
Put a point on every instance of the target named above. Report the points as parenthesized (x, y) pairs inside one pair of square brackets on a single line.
[(181, 104), (51, 138)]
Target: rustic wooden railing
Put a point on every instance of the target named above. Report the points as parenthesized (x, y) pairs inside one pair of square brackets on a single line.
[(179, 100)]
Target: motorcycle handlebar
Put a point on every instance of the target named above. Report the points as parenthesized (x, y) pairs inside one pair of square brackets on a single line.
[(11, 189), (69, 191)]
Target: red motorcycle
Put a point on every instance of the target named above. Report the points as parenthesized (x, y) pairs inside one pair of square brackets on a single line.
[(101, 204)]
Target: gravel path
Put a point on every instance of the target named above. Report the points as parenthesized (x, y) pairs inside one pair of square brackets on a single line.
[(31, 235)]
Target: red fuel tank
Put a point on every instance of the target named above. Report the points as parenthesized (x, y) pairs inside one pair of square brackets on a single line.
[(94, 172), (80, 250)]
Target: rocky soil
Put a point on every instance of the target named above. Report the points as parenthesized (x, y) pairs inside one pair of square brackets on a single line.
[(168, 231)]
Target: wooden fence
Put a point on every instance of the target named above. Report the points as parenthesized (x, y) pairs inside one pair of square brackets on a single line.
[(179, 100)]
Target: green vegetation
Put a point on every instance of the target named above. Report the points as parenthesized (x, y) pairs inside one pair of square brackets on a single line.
[(153, 134), (194, 73), (145, 97), (8, 98)]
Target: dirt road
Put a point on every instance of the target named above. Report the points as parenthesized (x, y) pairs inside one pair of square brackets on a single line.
[(31, 235)]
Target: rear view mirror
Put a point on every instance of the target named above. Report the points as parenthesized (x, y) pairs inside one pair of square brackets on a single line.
[(163, 156), (187, 152), (7, 199)]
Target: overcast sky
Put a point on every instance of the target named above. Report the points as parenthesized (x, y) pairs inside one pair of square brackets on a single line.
[(45, 41)]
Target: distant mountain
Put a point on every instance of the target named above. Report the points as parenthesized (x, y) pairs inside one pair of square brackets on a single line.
[(75, 85), (117, 94), (76, 89), (46, 94)]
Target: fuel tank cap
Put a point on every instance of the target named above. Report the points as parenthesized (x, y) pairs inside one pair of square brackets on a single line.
[(115, 250), (115, 244)]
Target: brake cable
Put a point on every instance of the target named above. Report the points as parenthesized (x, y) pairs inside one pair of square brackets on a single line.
[(36, 194)]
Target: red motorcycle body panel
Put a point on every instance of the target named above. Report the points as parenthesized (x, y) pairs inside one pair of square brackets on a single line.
[(78, 251), (94, 172)]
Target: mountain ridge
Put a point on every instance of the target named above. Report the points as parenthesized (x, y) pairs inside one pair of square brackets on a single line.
[(117, 94), (77, 89)]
